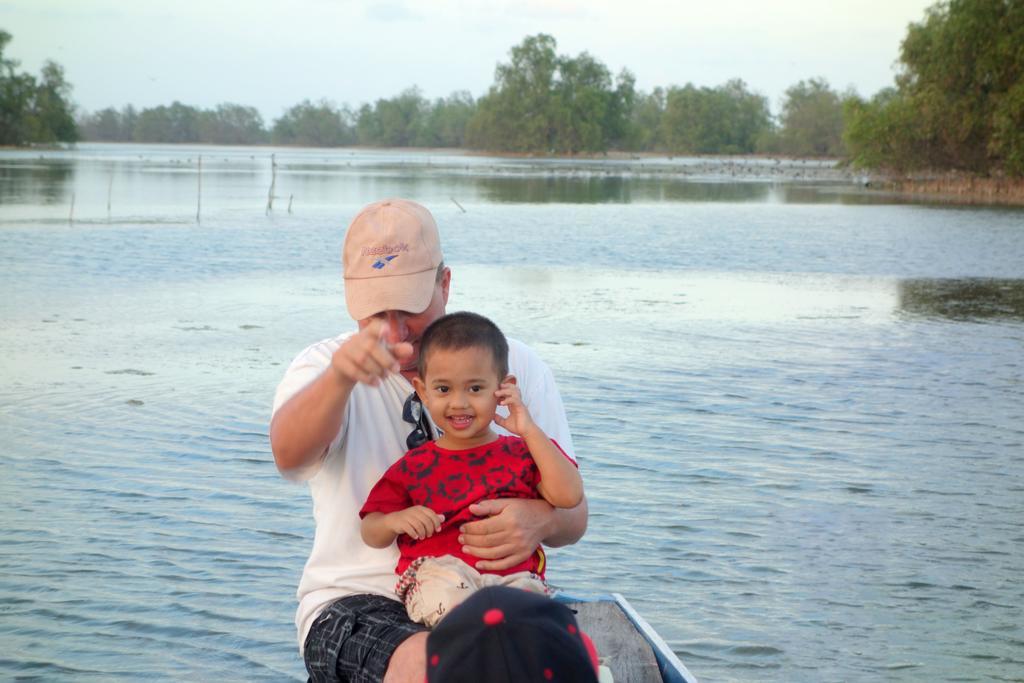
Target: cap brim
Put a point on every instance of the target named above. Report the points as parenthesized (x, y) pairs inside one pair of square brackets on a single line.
[(367, 297)]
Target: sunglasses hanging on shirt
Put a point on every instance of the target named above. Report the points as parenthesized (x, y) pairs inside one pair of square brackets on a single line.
[(415, 414)]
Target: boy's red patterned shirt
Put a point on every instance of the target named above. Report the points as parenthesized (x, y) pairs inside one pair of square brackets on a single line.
[(448, 482)]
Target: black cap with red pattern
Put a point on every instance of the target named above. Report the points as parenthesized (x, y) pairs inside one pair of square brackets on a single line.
[(508, 635)]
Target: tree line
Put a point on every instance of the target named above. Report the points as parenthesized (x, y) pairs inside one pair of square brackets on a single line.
[(541, 102), (407, 120), (957, 103)]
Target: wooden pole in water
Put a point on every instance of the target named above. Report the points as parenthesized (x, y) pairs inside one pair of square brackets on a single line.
[(199, 188), (290, 198), (110, 190), (71, 213), (273, 182), (457, 204)]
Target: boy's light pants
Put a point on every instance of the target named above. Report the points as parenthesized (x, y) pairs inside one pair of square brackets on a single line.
[(432, 586)]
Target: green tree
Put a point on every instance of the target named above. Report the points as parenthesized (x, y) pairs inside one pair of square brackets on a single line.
[(589, 115), (728, 119), (15, 97), (393, 122), (645, 121), (959, 96), (109, 124), (315, 125), (618, 123), (231, 124), (748, 116), (32, 111), (683, 120), (50, 115), (580, 105), (104, 124), (882, 131), (543, 102), (1006, 146), (445, 123), (516, 114), (367, 126), (129, 120), (175, 123), (811, 123)]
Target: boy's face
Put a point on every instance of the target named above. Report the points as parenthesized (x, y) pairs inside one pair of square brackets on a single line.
[(458, 390)]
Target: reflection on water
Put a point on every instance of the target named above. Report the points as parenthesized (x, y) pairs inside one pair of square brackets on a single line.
[(963, 299), (557, 189), (161, 179), (613, 189), (35, 182), (829, 194)]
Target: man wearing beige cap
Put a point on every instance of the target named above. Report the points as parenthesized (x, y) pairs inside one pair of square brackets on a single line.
[(343, 414)]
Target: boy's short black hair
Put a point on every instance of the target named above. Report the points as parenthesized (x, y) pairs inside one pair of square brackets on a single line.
[(464, 330)]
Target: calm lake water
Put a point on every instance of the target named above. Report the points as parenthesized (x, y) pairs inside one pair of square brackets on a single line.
[(799, 407)]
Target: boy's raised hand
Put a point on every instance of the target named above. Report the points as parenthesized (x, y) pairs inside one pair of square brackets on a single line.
[(418, 522), (519, 420)]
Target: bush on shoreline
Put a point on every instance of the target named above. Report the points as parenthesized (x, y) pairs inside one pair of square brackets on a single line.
[(958, 103)]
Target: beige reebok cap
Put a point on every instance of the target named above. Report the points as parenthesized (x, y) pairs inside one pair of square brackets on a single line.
[(390, 258)]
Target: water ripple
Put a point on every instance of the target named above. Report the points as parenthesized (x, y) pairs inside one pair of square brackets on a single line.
[(803, 462)]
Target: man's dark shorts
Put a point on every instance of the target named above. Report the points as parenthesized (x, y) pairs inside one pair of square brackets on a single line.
[(353, 639)]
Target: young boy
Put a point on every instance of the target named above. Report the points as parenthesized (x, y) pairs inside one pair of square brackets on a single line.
[(424, 498)]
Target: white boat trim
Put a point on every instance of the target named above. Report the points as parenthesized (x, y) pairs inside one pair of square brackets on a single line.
[(672, 668)]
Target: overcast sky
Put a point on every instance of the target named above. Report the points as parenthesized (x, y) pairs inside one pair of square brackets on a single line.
[(273, 54)]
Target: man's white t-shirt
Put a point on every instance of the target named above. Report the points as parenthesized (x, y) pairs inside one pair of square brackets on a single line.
[(372, 438)]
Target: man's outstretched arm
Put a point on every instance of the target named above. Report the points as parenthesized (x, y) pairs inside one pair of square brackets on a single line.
[(302, 429)]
